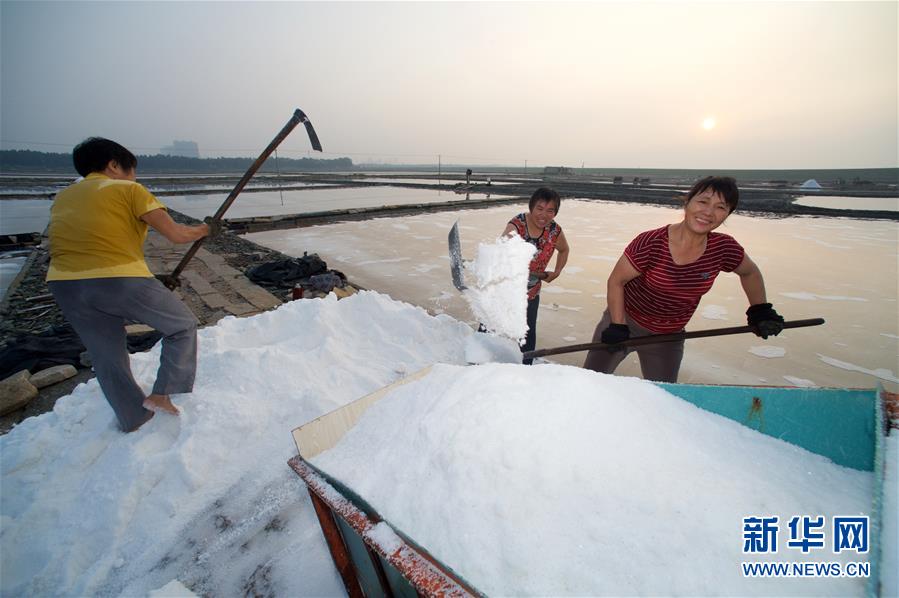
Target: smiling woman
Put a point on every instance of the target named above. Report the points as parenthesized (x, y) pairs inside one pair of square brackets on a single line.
[(656, 285)]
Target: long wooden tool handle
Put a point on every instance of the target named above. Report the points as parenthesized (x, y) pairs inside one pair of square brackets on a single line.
[(654, 339), (297, 118)]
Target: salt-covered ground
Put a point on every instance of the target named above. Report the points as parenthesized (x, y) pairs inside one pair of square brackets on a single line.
[(207, 500), (843, 270)]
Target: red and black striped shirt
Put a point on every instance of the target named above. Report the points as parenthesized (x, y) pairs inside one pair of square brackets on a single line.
[(665, 295)]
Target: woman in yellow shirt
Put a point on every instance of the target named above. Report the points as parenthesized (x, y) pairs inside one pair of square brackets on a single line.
[(100, 278)]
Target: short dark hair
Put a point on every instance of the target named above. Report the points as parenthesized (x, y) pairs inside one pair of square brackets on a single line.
[(724, 186), (545, 194), (94, 154)]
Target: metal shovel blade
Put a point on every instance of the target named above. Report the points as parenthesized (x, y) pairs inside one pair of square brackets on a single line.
[(455, 255), (313, 138)]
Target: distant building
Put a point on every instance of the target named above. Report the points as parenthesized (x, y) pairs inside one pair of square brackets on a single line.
[(188, 149)]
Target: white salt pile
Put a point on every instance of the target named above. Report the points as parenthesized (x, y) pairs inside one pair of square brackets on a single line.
[(498, 293), (207, 498), (552, 480)]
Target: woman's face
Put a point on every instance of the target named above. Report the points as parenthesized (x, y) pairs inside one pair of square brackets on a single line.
[(543, 213), (705, 212)]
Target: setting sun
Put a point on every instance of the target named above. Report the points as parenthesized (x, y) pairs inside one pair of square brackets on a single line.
[(708, 123)]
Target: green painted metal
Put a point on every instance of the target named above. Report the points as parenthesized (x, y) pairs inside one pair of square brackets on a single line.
[(838, 423)]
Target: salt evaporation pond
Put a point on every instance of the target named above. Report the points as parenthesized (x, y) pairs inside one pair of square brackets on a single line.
[(19, 216), (478, 179), (269, 203), (553, 480), (843, 270), (890, 204)]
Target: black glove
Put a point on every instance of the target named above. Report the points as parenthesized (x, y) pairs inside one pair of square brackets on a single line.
[(170, 282), (614, 334), (763, 320), (215, 227)]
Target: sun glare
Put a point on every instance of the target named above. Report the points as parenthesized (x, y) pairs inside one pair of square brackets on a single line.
[(708, 123)]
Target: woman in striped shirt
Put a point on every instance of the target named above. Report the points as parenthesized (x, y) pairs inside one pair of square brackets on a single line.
[(656, 285)]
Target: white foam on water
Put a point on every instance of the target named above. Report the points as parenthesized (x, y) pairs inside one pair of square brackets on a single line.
[(395, 260), (805, 296), (801, 382), (768, 351), (714, 312), (882, 373), (552, 289), (604, 258)]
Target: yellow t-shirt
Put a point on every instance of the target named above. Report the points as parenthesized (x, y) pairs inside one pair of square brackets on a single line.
[(96, 230)]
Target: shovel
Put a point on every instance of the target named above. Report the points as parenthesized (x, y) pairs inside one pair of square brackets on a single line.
[(654, 339), (171, 280), (455, 255), (456, 262)]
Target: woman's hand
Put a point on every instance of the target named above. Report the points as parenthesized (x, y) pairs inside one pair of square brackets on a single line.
[(550, 275), (763, 320)]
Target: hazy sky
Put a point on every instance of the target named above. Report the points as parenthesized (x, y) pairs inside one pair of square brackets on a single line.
[(788, 84)]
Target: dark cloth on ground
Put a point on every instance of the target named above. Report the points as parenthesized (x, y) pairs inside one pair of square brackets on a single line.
[(59, 345), (286, 273)]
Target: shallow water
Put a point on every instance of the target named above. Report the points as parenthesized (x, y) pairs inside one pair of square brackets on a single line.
[(268, 203), (843, 270), (849, 203), (24, 215)]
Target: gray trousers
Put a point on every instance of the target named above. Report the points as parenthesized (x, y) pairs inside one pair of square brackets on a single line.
[(660, 363), (99, 308)]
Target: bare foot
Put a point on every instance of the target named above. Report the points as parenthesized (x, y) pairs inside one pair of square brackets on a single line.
[(159, 403)]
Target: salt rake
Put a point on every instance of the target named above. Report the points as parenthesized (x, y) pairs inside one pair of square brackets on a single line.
[(654, 339), (172, 280)]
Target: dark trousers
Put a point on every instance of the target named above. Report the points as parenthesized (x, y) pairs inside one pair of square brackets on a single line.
[(530, 339), (99, 308), (660, 363)]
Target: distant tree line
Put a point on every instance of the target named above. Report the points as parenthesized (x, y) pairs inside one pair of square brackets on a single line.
[(31, 161)]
